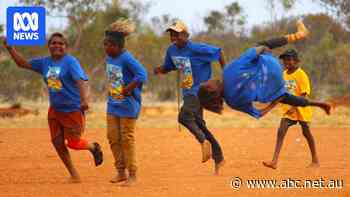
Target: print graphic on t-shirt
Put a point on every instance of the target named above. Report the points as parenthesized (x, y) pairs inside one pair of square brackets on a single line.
[(53, 80), (115, 81), (184, 65), (291, 86)]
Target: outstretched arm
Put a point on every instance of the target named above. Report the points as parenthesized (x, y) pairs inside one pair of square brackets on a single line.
[(272, 105), (17, 57)]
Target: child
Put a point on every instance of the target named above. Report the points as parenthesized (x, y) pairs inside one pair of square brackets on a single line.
[(68, 94), (125, 78), (297, 83), (193, 60), (256, 76)]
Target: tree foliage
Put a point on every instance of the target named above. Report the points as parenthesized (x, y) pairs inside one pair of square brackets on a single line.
[(325, 55), (231, 20)]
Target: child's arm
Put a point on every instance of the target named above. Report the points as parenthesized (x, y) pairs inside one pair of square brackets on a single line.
[(166, 67), (84, 94), (140, 77), (222, 59), (17, 57), (272, 105)]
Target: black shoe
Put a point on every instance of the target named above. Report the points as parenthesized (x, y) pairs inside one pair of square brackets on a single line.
[(97, 153)]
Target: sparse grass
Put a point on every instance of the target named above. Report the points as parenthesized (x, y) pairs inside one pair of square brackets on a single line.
[(164, 115)]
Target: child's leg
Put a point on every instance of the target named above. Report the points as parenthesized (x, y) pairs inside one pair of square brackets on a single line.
[(187, 117), (302, 33), (114, 139), (282, 130), (311, 142), (127, 126), (57, 138), (74, 124), (215, 146), (300, 101), (63, 153)]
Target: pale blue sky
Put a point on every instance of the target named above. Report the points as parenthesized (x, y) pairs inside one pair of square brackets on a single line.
[(193, 11)]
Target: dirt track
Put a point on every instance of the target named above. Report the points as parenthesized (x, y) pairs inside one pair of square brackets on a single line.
[(169, 164)]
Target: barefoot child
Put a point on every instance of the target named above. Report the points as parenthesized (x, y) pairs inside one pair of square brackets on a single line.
[(125, 78), (67, 86), (256, 76), (193, 60), (298, 84)]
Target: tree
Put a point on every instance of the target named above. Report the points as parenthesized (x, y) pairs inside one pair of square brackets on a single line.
[(341, 8), (234, 18), (215, 21), (272, 6), (231, 20), (160, 23), (78, 12)]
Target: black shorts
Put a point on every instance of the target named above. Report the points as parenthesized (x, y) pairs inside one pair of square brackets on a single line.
[(294, 122)]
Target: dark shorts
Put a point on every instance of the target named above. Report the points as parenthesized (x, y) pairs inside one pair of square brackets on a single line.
[(294, 122), (70, 123)]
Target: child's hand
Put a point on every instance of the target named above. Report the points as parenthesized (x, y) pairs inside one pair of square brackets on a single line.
[(84, 106), (157, 70), (126, 92), (4, 42)]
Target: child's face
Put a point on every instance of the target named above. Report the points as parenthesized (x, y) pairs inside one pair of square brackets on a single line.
[(179, 39), (290, 63), (111, 48), (57, 47)]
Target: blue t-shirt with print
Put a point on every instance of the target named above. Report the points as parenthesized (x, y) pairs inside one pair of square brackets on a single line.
[(121, 71), (61, 77), (194, 62), (250, 78)]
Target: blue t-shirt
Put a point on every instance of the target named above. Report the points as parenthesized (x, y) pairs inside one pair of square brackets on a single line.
[(121, 71), (194, 62), (250, 78), (61, 78)]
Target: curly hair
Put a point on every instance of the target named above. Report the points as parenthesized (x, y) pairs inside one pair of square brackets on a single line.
[(124, 26)]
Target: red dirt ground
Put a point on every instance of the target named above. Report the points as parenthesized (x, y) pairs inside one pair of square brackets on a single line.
[(341, 101), (169, 164)]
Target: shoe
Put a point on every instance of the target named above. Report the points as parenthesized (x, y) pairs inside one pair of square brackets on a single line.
[(97, 153)]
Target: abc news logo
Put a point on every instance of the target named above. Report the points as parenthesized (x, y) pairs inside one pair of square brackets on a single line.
[(26, 25)]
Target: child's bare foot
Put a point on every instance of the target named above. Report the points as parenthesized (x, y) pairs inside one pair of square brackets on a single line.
[(218, 166), (270, 164), (119, 178), (314, 165), (327, 108), (206, 151), (131, 181)]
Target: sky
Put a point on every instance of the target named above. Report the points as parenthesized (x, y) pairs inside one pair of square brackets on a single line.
[(192, 12)]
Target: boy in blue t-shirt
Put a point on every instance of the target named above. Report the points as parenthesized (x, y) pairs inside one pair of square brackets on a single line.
[(193, 61), (67, 86), (255, 76), (125, 79)]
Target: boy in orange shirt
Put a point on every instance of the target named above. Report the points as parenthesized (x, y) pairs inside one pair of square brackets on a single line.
[(298, 84)]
